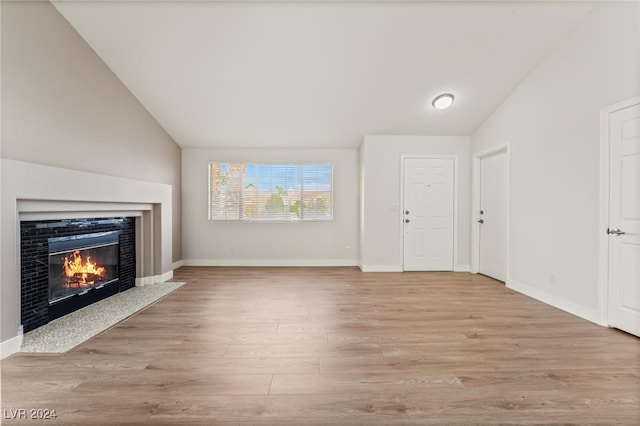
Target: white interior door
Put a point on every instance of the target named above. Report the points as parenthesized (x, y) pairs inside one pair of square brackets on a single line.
[(428, 214), (493, 216), (624, 220)]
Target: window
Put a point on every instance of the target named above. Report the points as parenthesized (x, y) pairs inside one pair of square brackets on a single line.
[(270, 192)]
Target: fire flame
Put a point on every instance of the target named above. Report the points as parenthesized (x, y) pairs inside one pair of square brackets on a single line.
[(75, 268)]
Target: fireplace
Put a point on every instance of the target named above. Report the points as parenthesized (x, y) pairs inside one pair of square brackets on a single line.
[(81, 263), (71, 263)]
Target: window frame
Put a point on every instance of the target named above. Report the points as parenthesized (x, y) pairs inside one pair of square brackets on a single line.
[(240, 219)]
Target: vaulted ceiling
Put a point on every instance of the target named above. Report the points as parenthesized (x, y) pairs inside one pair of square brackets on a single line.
[(319, 74)]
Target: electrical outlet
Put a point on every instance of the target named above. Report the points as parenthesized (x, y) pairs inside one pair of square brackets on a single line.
[(552, 278)]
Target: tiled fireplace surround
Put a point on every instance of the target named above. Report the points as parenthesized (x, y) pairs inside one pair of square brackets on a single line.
[(44, 193), (34, 265)]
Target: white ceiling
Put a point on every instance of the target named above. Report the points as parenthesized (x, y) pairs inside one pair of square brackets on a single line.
[(319, 74)]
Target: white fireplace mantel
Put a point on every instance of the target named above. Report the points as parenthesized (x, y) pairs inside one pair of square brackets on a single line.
[(36, 192)]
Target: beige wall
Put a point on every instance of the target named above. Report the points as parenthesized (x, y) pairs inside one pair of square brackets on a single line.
[(62, 106)]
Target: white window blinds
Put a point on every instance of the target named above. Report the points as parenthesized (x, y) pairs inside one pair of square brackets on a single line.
[(270, 192)]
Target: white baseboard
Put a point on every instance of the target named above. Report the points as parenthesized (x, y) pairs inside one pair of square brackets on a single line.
[(166, 276), (285, 263), (270, 262), (11, 346), (142, 281), (557, 302), (381, 268), (398, 268)]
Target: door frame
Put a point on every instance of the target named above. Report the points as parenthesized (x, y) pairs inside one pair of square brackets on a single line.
[(603, 216), (475, 204), (455, 201)]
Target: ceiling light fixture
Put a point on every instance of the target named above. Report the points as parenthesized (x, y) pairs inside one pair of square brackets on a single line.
[(443, 101)]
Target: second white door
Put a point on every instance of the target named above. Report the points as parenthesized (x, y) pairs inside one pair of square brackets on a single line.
[(624, 220), (428, 214), (493, 216)]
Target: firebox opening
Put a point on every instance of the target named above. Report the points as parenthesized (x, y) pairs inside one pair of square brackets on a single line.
[(80, 263)]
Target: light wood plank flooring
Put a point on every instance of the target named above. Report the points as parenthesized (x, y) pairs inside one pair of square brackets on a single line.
[(337, 346)]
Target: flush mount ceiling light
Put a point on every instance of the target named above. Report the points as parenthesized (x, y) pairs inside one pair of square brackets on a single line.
[(443, 101)]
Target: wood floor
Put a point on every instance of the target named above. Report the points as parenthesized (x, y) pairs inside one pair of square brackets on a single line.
[(336, 346)]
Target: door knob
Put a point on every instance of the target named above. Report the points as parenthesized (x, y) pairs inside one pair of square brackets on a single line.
[(406, 212), (615, 231), (481, 221), (406, 221)]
